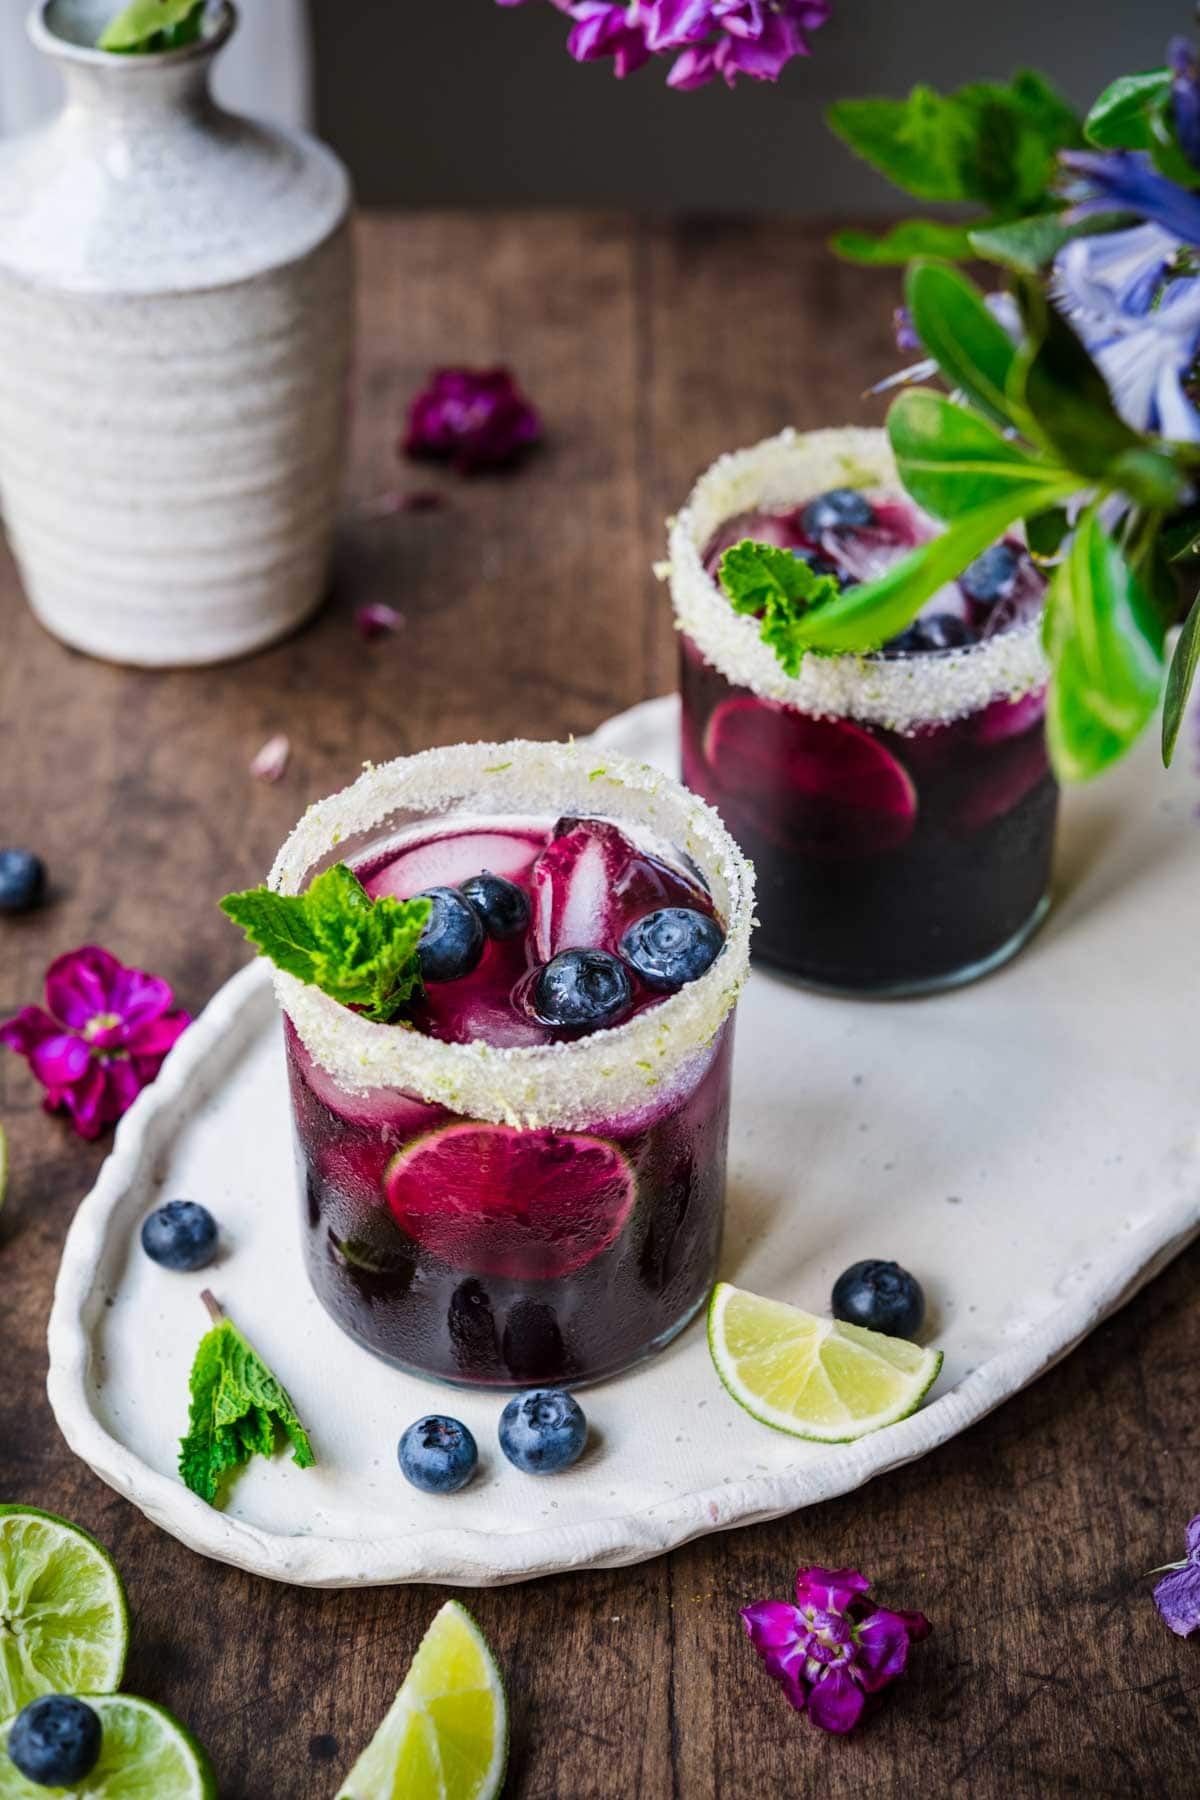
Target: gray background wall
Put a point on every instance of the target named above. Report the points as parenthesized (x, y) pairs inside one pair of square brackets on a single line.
[(444, 101)]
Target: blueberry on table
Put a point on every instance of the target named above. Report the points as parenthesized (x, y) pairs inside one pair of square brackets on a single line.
[(880, 1296), (992, 576), (453, 939), (180, 1235), (580, 990), (673, 946), (502, 905), (55, 1741), (22, 881), (940, 631), (438, 1454), (543, 1431), (841, 509)]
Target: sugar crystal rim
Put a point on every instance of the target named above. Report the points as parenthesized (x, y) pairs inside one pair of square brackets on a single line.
[(614, 1074), (900, 693)]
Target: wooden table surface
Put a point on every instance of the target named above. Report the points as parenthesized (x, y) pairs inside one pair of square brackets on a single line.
[(530, 608)]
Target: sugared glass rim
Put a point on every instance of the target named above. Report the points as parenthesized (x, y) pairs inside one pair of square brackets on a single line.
[(902, 693), (611, 1074)]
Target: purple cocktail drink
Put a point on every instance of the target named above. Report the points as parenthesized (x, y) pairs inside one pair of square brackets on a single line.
[(523, 1181), (899, 808)]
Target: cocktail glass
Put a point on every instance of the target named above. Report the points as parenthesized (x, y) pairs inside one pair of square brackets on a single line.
[(900, 812), (506, 1213)]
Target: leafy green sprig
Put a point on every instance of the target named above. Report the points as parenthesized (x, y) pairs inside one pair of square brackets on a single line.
[(238, 1410), (359, 951), (779, 590), (148, 26)]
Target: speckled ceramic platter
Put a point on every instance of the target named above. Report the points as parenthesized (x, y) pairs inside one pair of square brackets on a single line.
[(1030, 1146)]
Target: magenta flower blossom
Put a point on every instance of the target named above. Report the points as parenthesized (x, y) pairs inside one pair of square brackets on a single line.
[(707, 38), (1177, 1595), (834, 1651), (474, 418), (102, 1039)]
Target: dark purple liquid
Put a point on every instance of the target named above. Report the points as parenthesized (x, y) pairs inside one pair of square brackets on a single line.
[(886, 863), (480, 1254)]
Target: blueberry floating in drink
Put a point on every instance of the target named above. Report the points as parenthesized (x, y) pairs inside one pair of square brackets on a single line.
[(452, 942), (502, 905), (543, 1432), (671, 947), (438, 1454)]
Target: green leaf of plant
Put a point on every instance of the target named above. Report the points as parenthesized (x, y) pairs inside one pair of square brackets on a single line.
[(237, 1410), (1180, 678), (359, 951), (987, 142), (1045, 531), (1119, 120), (914, 237), (971, 348), (1105, 640), (152, 25), (1059, 385), (952, 461), (864, 617), (777, 588), (1029, 244)]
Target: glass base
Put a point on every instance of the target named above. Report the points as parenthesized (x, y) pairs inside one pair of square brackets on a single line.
[(512, 1385), (932, 984)]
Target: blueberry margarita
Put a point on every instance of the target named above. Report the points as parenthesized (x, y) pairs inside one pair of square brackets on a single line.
[(899, 808), (520, 1181)]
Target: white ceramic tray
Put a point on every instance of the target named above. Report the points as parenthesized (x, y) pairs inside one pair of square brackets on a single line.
[(1029, 1146)]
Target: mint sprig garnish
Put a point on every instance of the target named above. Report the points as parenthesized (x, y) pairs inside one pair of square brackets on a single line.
[(778, 589), (146, 26), (359, 951), (237, 1411)]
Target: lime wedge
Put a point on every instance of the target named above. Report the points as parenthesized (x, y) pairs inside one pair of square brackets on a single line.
[(145, 1754), (64, 1625), (816, 1378), (446, 1736)]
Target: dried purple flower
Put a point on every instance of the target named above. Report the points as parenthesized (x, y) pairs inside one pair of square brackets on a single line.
[(1177, 1595), (102, 1040), (377, 620), (474, 418), (834, 1651), (270, 763)]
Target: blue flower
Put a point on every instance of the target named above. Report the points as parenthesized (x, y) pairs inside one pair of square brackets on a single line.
[(1140, 323), (1185, 97), (1127, 181)]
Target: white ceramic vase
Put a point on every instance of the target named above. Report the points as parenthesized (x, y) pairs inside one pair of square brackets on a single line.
[(175, 328)]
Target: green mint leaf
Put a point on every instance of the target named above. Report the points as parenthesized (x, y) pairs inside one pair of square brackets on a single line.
[(914, 237), (1056, 382), (1120, 118), (777, 588), (1180, 678), (1028, 245), (237, 1411), (151, 25), (359, 951), (1105, 639), (971, 348), (989, 143), (953, 462), (864, 617)]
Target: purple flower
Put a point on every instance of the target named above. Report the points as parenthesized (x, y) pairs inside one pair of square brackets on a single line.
[(474, 418), (834, 1651), (1140, 322), (1127, 181), (725, 38), (1185, 97), (102, 1040), (1177, 1595)]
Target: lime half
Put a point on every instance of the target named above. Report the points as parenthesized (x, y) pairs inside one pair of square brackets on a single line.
[(816, 1378), (145, 1754), (446, 1736), (64, 1625)]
